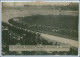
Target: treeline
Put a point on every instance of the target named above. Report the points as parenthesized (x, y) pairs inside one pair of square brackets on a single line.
[(71, 7), (27, 38)]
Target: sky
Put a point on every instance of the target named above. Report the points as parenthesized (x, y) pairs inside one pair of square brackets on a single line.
[(34, 3)]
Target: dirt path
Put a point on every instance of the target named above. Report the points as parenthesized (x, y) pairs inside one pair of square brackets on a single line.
[(60, 39), (12, 14)]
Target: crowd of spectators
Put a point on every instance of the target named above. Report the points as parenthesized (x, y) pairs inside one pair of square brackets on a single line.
[(56, 30), (27, 37)]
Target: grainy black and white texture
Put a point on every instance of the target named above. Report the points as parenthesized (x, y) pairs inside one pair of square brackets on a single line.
[(40, 23)]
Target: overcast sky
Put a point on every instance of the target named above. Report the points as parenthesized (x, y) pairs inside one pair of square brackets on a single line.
[(34, 3)]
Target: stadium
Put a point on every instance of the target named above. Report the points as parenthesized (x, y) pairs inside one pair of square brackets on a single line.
[(40, 25)]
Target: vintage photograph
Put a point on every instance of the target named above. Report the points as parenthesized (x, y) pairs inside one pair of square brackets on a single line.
[(40, 28)]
